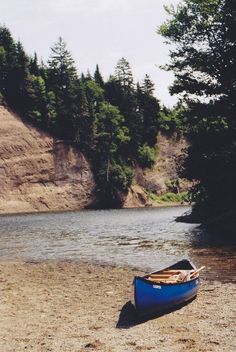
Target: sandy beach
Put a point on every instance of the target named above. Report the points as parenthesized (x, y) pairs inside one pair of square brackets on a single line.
[(78, 307)]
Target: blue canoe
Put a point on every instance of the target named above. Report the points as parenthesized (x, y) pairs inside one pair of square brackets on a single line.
[(155, 292)]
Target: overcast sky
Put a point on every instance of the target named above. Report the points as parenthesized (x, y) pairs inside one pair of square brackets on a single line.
[(96, 32)]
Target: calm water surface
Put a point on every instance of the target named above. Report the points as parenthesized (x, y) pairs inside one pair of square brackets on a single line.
[(145, 239)]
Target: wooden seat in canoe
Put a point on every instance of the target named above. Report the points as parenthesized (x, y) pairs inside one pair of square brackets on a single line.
[(174, 276)]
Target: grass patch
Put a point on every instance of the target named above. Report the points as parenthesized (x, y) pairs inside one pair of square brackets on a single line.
[(169, 197)]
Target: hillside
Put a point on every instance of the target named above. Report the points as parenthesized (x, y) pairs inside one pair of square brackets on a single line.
[(151, 184), (39, 173)]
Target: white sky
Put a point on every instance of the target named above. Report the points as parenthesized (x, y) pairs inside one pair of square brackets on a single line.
[(96, 32)]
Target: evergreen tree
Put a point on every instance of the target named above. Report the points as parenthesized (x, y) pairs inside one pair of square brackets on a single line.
[(98, 77), (63, 82), (121, 93), (90, 99), (84, 124), (124, 75), (148, 86), (7, 60), (33, 66), (204, 63), (17, 80), (149, 108), (112, 174), (37, 100)]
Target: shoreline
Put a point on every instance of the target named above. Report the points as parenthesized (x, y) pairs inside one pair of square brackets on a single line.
[(77, 307), (167, 205)]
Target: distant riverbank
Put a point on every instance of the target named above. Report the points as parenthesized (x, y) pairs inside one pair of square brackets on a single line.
[(42, 174), (63, 306), (151, 205)]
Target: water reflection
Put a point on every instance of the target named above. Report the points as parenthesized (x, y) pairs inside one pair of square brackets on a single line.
[(143, 238), (215, 250)]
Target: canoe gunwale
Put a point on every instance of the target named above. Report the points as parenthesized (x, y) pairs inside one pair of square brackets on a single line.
[(149, 282), (171, 267)]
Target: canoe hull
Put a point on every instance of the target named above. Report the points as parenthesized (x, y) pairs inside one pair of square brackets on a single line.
[(151, 298)]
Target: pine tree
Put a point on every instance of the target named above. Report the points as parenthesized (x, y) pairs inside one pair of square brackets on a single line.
[(7, 60), (147, 85), (17, 80), (90, 100), (123, 74), (63, 82), (98, 77), (149, 108), (37, 100), (34, 66)]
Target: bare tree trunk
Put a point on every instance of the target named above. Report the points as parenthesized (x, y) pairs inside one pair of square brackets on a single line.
[(108, 167)]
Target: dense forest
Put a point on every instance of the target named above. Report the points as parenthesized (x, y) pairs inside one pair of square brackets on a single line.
[(203, 59), (114, 122)]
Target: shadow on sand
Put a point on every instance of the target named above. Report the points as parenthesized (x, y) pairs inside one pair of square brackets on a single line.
[(129, 316)]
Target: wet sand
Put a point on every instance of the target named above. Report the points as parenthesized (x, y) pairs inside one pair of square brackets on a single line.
[(74, 307)]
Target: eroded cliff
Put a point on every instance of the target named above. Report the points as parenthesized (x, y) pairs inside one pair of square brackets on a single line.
[(163, 177), (38, 172)]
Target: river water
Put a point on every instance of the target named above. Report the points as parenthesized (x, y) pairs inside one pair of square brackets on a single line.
[(146, 239)]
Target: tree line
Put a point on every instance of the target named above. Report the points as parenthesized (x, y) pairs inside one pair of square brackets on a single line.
[(114, 122), (203, 59)]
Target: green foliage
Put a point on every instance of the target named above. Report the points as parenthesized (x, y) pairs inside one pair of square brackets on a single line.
[(110, 190), (113, 123), (146, 156), (139, 107), (98, 77), (124, 75), (169, 197), (63, 81), (34, 66), (120, 178), (147, 86), (204, 63), (111, 134), (7, 60), (112, 174), (149, 112), (174, 120), (174, 197), (1, 99), (36, 99), (202, 32)]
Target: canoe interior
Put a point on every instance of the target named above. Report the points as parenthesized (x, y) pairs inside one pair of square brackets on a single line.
[(169, 274), (181, 265)]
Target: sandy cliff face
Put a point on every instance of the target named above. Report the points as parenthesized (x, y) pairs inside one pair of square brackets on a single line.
[(39, 173), (163, 177)]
